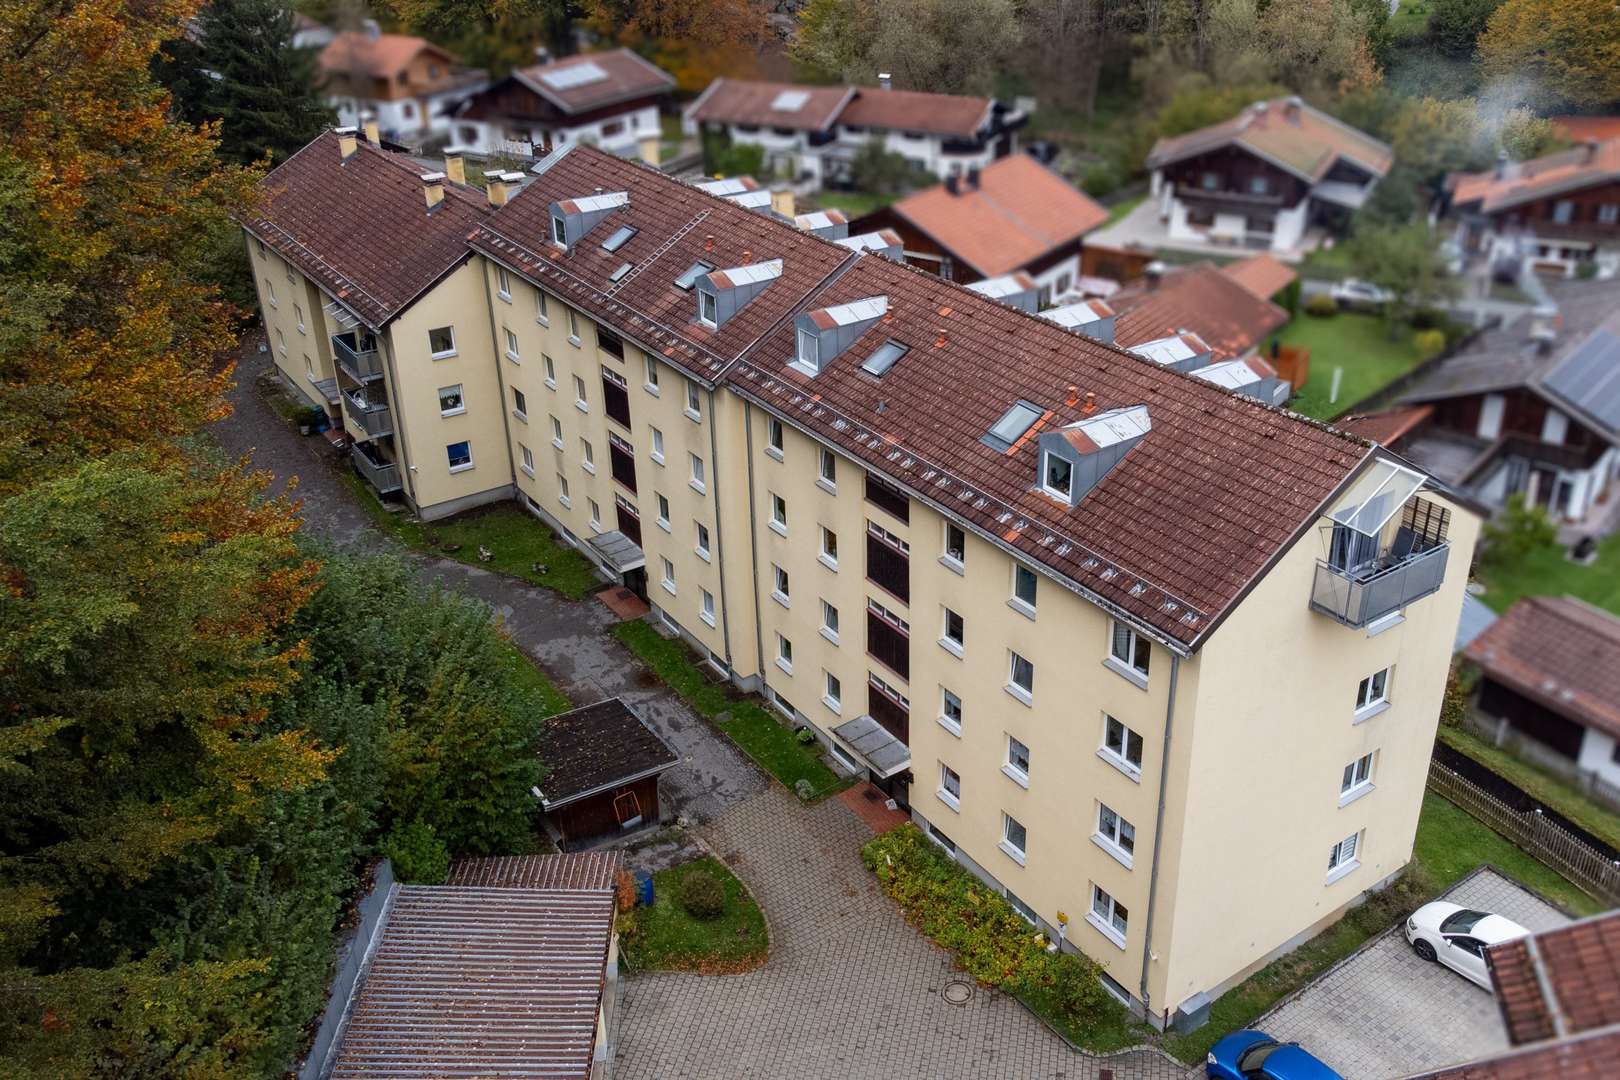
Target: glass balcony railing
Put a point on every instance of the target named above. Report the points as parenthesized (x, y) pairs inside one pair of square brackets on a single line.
[(359, 362), (1360, 595)]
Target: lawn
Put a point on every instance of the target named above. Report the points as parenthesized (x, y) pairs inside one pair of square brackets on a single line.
[(853, 203), (1546, 572), (749, 724), (1450, 843), (1538, 784), (532, 680), (516, 539), (1355, 343), (1327, 264), (1411, 20), (665, 938)]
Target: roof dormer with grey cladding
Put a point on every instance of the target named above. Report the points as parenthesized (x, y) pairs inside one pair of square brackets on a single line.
[(571, 219), (827, 224), (821, 335), (1076, 457), (1017, 290), (884, 242), (1093, 318), (1251, 377), (723, 293), (1185, 352)]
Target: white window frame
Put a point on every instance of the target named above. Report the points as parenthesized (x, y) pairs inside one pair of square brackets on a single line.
[(711, 302), (559, 230), (528, 460), (657, 452), (697, 482), (581, 401), (694, 402), (1016, 852), (556, 433), (520, 405), (562, 490), (949, 777), (1372, 694), (573, 328), (828, 554), (541, 312), (1026, 694), (461, 398), (512, 352), (667, 571), (784, 654), (955, 646), (551, 370), (952, 724), (807, 351), (1137, 648), (298, 316), (1355, 779), (1102, 913), (1344, 857), (702, 547), (587, 455), (503, 284), (832, 693), (781, 586), (662, 505), (465, 465), (1018, 774), (596, 515), (1121, 759), (1064, 495), (775, 438), (443, 354), (954, 562), (650, 383), (829, 621), (1018, 603), (706, 606), (1112, 832), (827, 470), (778, 522)]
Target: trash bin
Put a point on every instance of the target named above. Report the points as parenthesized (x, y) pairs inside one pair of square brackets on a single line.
[(644, 889)]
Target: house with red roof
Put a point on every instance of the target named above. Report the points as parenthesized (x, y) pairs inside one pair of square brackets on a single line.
[(404, 82)]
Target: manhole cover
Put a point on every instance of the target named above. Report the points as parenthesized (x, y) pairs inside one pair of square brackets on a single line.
[(958, 992)]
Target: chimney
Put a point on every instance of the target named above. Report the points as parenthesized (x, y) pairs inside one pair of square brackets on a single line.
[(953, 184), (1501, 164), (1154, 273), (370, 28), (496, 185), (1591, 148), (454, 167), (1074, 397), (1544, 321), (748, 257), (368, 124), (433, 189), (647, 149), (1091, 403), (708, 242), (885, 82), (348, 142), (1291, 109), (973, 178), (939, 342)]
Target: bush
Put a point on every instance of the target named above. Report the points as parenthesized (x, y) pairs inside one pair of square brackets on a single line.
[(1100, 179), (702, 896), (1520, 530), (1076, 989), (805, 736), (1321, 305), (1586, 271), (1429, 343), (418, 855)]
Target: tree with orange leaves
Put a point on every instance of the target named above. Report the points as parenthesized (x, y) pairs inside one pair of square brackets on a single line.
[(694, 40)]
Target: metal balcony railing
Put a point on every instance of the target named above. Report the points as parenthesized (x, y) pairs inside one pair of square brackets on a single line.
[(360, 364), (381, 475), (371, 417), (1365, 594)]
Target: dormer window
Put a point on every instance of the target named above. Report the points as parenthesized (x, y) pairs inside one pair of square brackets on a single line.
[(1057, 477), (809, 350), (708, 308), (559, 230)]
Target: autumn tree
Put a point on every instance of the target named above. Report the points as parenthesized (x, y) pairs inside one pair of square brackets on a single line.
[(109, 337), (1566, 50), (947, 46), (694, 40), (1455, 25), (1403, 259)]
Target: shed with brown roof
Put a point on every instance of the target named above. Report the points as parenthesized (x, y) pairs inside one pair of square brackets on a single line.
[(603, 763)]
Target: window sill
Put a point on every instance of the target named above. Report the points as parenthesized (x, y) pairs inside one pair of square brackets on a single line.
[(771, 451), (1120, 855), (1355, 793), (826, 485), (1016, 776), (596, 527), (1126, 672), (527, 471), (697, 487), (1018, 693), (565, 500), (835, 706), (551, 384), (707, 618), (830, 635), (694, 416), (558, 443), (442, 355), (657, 458), (952, 647), (1388, 622), (1369, 712), (1105, 930), (952, 565), (542, 320), (461, 468), (1342, 870), (949, 725), (781, 599), (1132, 771), (520, 415), (662, 524), (1022, 608), (650, 388), (573, 339), (778, 528), (702, 553), (784, 665), (582, 406), (828, 562), (506, 296), (949, 800), (668, 587), (512, 356), (453, 412), (589, 467), (1011, 852)]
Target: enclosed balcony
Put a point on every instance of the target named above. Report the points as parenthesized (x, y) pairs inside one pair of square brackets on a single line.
[(357, 355), (369, 411), (1386, 548), (380, 473)]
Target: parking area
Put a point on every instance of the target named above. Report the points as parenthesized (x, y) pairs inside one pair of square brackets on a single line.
[(1385, 1013)]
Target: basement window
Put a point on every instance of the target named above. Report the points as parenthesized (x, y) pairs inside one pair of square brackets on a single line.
[(621, 236), (1013, 424), (691, 274), (884, 357)]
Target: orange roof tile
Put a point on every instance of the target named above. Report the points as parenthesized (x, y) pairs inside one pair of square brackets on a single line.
[(1385, 428), (1587, 128), (380, 57), (1231, 319), (1264, 275), (1568, 170), (1304, 140), (915, 110)]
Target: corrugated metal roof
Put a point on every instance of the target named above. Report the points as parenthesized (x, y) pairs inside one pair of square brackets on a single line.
[(486, 982), (579, 871), (567, 78)]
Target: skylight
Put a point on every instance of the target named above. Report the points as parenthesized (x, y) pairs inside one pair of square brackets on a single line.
[(1013, 423), (691, 274), (884, 357), (621, 236), (790, 100), (581, 74), (618, 274)]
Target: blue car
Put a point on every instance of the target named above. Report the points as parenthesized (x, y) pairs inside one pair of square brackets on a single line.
[(1254, 1055)]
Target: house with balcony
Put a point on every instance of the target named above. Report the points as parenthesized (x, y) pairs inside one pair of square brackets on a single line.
[(1555, 214), (406, 82), (608, 99), (374, 309), (1280, 176), (813, 133)]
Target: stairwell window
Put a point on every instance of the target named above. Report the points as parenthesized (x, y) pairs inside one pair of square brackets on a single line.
[(1020, 678), (1342, 857), (1016, 767), (950, 787), (442, 342), (1115, 835), (1129, 654), (1014, 838), (1372, 695), (1109, 916), (512, 347), (459, 455)]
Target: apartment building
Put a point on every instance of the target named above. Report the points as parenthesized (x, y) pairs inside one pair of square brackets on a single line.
[(1098, 625)]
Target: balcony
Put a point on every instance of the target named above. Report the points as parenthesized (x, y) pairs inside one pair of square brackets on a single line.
[(1363, 595), (381, 474), (357, 355), (370, 415), (1386, 547)]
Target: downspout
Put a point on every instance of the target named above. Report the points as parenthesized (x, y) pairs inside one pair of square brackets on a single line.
[(753, 537), (404, 443), (1158, 834), (719, 532)]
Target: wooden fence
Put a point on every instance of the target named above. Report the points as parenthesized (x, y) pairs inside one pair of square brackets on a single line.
[(1534, 833)]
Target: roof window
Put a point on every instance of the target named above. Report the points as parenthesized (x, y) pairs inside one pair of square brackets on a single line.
[(1013, 424), (618, 274), (691, 274), (790, 100), (884, 357), (621, 236), (580, 74)]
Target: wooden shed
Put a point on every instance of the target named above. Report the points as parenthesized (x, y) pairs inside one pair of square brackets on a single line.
[(603, 763)]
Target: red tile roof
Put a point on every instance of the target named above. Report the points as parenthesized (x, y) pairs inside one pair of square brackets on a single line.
[(1200, 298), (1020, 211), (1385, 428), (955, 115), (1588, 1057), (1585, 128), (1559, 982), (1560, 652), (1568, 170), (678, 225), (628, 76), (1264, 275), (587, 870), (1172, 536), (354, 52), (1305, 141), (361, 228), (745, 101)]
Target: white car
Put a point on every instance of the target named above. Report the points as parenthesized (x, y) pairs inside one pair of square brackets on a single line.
[(1352, 292), (1458, 937)]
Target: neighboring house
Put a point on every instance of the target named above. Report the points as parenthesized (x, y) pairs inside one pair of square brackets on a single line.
[(372, 302), (1557, 213), (602, 767), (608, 99), (508, 969), (1263, 275), (1204, 299), (407, 82), (1531, 408), (1014, 215), (1551, 673), (813, 133), (1559, 992), (1280, 175), (1016, 577), (309, 34)]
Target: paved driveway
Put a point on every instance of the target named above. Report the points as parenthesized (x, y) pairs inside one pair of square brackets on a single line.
[(1385, 1013)]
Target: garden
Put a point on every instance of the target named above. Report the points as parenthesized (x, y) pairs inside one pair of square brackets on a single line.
[(702, 919)]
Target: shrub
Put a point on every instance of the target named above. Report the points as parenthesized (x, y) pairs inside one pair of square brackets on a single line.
[(1459, 684), (701, 895), (1429, 343), (1100, 179), (805, 736), (1076, 989), (1586, 271), (418, 855), (1519, 530), (1321, 305)]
